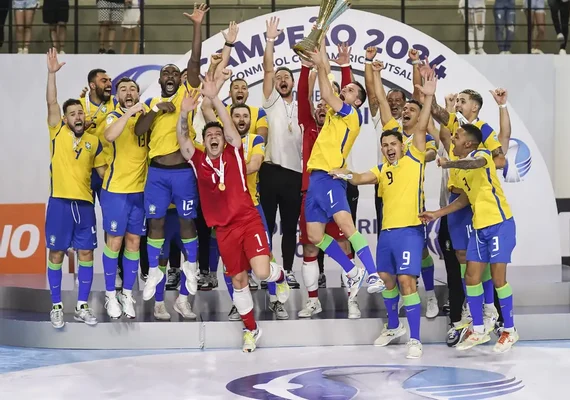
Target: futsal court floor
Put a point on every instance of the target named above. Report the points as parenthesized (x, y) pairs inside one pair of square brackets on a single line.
[(532, 370)]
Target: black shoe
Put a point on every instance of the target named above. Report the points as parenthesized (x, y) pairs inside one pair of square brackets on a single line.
[(264, 285), (102, 51), (446, 309), (144, 276), (291, 280), (173, 279), (110, 51), (322, 281)]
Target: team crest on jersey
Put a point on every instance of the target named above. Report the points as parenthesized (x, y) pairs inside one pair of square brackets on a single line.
[(87, 146), (113, 226), (52, 240), (104, 109), (152, 209), (109, 120)]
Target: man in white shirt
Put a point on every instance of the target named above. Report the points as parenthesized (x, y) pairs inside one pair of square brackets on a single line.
[(280, 174)]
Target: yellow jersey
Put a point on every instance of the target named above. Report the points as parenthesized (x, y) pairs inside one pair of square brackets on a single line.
[(394, 125), (91, 108), (484, 191), (163, 139), (335, 139), (490, 142), (71, 166), (127, 157), (258, 118), (253, 144), (402, 187)]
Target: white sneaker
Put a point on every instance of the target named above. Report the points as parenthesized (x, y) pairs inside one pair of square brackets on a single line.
[(414, 349), (282, 291), (353, 310), (536, 51), (20, 51), (191, 272), (113, 307), (481, 51), (375, 284), (155, 275), (25, 50), (250, 339), (432, 307), (506, 341), (353, 285), (160, 311), (84, 314), (128, 304), (562, 52), (490, 317), (234, 314), (473, 339), (388, 335), (278, 309), (183, 308), (56, 317), (560, 37), (472, 51), (312, 307), (61, 52)]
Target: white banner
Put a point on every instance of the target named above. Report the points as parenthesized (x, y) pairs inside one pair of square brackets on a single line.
[(24, 154)]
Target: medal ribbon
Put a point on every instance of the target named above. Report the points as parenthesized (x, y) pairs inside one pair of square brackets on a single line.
[(246, 147), (219, 172)]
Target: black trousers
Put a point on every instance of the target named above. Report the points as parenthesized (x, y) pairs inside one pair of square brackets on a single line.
[(281, 187), (454, 283), (560, 13), (378, 206), (203, 242), (352, 194), (4, 8)]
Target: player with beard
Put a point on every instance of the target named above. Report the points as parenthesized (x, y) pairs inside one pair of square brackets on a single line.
[(400, 245), (170, 179), (70, 216), (122, 196), (408, 127), (228, 207), (280, 175), (494, 238)]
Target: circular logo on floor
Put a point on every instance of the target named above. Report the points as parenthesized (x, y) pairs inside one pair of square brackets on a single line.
[(398, 381)]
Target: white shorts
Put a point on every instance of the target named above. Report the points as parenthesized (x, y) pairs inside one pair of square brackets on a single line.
[(24, 4), (131, 18), (535, 5), (476, 4)]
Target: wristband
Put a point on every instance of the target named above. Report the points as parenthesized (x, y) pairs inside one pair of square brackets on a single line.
[(369, 59), (416, 62), (228, 44), (270, 40), (503, 106), (155, 109), (331, 77), (367, 62), (344, 65)]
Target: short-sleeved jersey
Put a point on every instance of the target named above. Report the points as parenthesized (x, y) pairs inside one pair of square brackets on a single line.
[(163, 139), (394, 125), (484, 191), (253, 144), (402, 186), (232, 205), (70, 169), (490, 142), (97, 114), (127, 157), (335, 140), (258, 118)]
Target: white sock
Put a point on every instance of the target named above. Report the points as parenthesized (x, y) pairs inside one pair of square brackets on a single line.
[(111, 294), (510, 330), (471, 37), (272, 298), (80, 303), (127, 292), (158, 302), (480, 34), (489, 307), (182, 297), (58, 304), (479, 328), (354, 271), (430, 293)]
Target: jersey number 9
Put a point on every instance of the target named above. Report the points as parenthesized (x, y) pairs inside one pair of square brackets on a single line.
[(406, 257), (390, 177)]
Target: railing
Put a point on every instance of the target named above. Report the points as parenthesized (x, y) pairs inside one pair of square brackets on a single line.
[(164, 30)]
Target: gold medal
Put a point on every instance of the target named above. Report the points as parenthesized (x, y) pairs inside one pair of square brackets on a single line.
[(290, 127), (221, 186)]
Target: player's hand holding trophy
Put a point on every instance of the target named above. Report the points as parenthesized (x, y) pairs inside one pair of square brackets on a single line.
[(329, 11)]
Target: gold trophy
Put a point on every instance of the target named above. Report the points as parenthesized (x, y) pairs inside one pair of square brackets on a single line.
[(328, 12)]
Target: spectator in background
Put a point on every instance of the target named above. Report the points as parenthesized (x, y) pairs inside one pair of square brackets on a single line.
[(131, 22), (56, 14), (560, 12), (505, 16), (4, 9), (24, 11), (110, 14), (475, 19), (537, 20)]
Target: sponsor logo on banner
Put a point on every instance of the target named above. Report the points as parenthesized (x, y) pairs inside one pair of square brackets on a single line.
[(22, 241), (376, 381), (529, 190)]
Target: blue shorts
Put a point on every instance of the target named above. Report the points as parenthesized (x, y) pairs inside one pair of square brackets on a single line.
[(493, 244), (170, 186), (171, 233), (460, 225), (70, 224), (399, 251), (123, 212), (96, 185), (264, 221), (326, 196)]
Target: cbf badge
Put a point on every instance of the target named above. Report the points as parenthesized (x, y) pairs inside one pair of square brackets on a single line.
[(104, 109), (87, 146)]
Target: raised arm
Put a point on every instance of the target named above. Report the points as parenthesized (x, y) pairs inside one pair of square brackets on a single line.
[(414, 55), (369, 80), (189, 103), (117, 126), (53, 65), (325, 86), (384, 107), (230, 38), (428, 90), (303, 95), (343, 61), (193, 66), (440, 114), (500, 96), (268, 70)]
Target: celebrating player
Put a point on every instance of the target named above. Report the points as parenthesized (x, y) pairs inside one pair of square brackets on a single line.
[(494, 236), (170, 179), (401, 241), (70, 217), (227, 205), (122, 196)]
